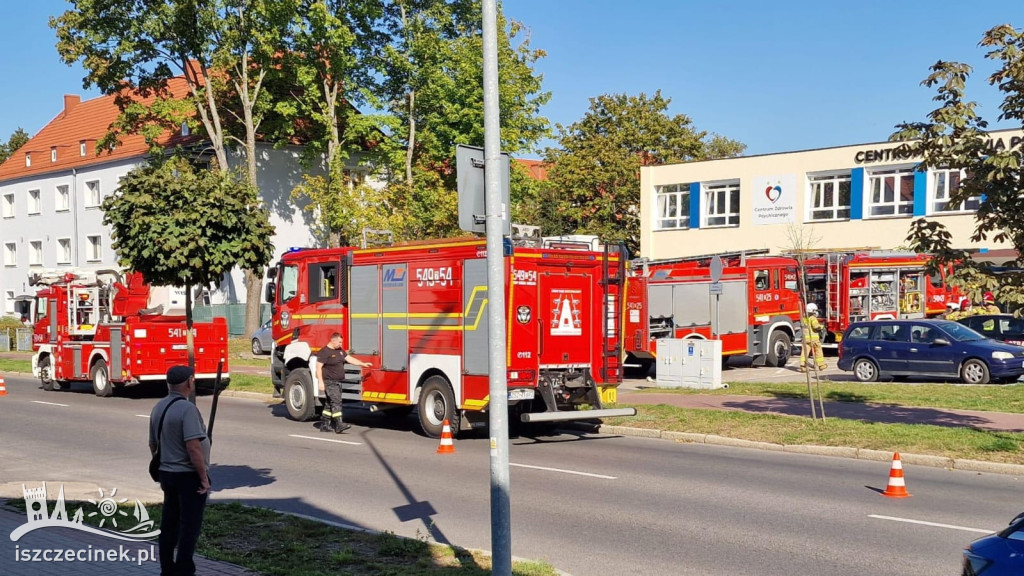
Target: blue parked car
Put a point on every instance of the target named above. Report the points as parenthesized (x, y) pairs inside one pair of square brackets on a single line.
[(999, 554), (936, 348)]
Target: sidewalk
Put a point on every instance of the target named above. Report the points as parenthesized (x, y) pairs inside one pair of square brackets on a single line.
[(883, 413), (13, 554)]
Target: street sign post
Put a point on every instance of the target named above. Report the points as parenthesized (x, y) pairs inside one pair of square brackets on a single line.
[(470, 178), (716, 288)]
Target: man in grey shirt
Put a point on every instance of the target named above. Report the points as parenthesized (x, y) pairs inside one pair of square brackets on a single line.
[(184, 462)]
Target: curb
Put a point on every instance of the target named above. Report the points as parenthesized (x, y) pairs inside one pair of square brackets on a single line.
[(966, 465)]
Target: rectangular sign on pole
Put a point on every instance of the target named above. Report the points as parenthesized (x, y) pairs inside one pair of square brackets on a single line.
[(470, 177)]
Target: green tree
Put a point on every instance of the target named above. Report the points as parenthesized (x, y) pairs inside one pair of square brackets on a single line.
[(223, 49), (594, 172), (7, 149), (181, 226), (954, 136), (433, 87)]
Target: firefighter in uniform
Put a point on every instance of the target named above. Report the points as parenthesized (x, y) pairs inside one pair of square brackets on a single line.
[(330, 371), (962, 312), (990, 306), (812, 328)]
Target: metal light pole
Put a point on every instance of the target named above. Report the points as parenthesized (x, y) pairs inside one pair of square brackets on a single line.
[(501, 531)]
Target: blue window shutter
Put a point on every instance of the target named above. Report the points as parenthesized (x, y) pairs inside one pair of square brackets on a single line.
[(857, 194), (920, 192), (695, 205)]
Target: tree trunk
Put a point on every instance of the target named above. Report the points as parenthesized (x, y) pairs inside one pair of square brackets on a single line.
[(412, 138), (253, 305)]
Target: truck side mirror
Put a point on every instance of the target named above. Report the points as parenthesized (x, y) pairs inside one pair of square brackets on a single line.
[(271, 293)]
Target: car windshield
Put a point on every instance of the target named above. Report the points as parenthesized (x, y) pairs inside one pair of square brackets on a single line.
[(959, 332)]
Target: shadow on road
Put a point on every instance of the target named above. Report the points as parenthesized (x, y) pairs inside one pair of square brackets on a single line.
[(225, 477)]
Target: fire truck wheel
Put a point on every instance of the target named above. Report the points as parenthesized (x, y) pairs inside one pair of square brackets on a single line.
[(974, 372), (101, 379), (44, 374), (779, 346), (865, 370), (437, 404), (298, 395)]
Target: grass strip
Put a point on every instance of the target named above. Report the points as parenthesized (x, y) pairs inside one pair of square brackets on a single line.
[(269, 542), (995, 398), (991, 446)]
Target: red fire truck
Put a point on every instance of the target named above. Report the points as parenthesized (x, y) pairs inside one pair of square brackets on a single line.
[(849, 285), (753, 308), (418, 313), (116, 331)]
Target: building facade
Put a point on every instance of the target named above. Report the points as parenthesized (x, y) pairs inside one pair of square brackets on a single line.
[(51, 190), (856, 196)]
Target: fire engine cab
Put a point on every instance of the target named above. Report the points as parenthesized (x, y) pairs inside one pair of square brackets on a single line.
[(418, 313), (115, 330), (753, 307), (851, 285)]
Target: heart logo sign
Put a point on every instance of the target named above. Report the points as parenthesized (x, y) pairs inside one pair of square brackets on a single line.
[(773, 193)]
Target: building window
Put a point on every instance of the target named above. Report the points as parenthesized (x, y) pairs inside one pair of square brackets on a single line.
[(945, 183), (95, 253), (8, 205), (64, 251), (830, 197), (9, 302), (53, 154), (892, 192), (28, 159), (10, 254), (35, 253), (63, 199), (721, 204), (34, 204), (673, 205), (92, 194), (81, 148)]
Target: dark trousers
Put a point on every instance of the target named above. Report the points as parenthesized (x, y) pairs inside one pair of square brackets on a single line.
[(181, 522), (332, 404)]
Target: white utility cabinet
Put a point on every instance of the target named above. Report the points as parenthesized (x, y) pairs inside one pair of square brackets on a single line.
[(689, 363)]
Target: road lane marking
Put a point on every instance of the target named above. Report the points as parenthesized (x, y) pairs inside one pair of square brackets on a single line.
[(936, 524), (50, 403), (601, 476), (143, 415), (326, 440)]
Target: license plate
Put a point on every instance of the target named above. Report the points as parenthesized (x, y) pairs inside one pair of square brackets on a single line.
[(521, 394)]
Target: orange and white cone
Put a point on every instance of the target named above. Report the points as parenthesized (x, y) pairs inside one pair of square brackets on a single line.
[(446, 446), (3, 387), (897, 488)]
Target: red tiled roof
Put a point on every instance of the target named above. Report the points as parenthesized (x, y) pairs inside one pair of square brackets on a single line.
[(538, 169), (79, 121)]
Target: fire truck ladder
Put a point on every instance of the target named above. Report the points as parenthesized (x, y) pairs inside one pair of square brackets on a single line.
[(612, 316), (741, 254), (834, 292)]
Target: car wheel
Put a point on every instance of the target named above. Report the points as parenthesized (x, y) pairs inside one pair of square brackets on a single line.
[(101, 380), (779, 347), (257, 348), (298, 395), (974, 372), (865, 370), (437, 404)]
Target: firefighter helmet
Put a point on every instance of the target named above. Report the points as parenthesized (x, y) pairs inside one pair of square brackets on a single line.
[(812, 308)]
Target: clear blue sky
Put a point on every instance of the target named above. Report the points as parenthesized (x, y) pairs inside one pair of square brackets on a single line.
[(784, 75)]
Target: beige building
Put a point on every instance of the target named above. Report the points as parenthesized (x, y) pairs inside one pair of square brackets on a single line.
[(843, 197)]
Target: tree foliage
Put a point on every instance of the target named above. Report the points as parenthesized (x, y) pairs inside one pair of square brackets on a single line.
[(178, 225), (7, 149), (955, 136), (595, 171)]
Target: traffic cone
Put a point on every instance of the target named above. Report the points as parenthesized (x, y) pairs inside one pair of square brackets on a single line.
[(446, 446), (3, 387), (896, 488)]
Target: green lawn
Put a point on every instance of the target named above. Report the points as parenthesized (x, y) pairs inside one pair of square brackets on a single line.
[(269, 542), (996, 398)]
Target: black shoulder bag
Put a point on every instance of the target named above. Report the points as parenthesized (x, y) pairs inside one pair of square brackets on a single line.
[(154, 462)]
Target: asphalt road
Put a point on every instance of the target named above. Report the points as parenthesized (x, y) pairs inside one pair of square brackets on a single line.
[(590, 505)]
